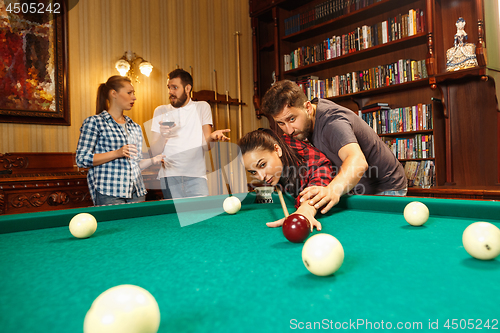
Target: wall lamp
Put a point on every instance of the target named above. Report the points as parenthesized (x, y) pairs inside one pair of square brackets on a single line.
[(126, 65)]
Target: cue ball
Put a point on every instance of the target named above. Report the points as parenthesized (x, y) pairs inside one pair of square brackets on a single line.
[(416, 213), (83, 225), (231, 205), (123, 309), (322, 254), (482, 240), (296, 228)]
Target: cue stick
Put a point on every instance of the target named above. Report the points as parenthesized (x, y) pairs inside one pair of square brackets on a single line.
[(240, 126), (208, 144), (228, 116), (222, 167), (226, 181), (240, 119), (280, 195), (212, 164), (216, 124), (228, 121)]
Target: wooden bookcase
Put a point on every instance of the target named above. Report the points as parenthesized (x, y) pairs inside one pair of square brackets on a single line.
[(466, 120)]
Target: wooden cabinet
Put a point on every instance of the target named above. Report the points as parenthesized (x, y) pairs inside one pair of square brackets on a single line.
[(465, 112), (38, 182)]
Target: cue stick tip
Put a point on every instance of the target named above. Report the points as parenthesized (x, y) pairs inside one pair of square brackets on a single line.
[(283, 205)]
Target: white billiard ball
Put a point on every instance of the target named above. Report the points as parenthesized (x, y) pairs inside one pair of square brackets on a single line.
[(416, 213), (82, 225), (123, 309), (322, 254), (482, 240), (232, 205)]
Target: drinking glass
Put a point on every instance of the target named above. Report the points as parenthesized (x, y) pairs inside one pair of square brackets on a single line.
[(132, 140), (168, 119)]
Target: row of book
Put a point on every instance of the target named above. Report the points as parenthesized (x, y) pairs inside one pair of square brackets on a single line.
[(405, 70), (385, 120), (420, 173), (323, 12), (313, 87), (420, 146), (394, 28), (361, 38)]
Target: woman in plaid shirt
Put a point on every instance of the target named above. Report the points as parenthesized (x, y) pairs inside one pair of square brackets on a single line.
[(110, 146), (291, 164)]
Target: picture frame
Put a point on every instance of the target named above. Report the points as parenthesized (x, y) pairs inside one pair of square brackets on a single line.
[(35, 62)]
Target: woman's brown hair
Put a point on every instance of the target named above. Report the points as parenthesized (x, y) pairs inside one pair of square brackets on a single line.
[(293, 164), (115, 82)]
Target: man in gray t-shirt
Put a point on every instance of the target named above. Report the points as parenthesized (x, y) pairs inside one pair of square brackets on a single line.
[(365, 164)]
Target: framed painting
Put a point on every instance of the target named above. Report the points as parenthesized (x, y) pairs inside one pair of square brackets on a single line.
[(34, 62)]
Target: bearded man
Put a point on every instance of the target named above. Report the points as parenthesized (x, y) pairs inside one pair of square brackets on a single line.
[(365, 163), (182, 131)]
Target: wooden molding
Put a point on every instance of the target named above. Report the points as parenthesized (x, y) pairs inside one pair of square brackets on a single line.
[(209, 97)]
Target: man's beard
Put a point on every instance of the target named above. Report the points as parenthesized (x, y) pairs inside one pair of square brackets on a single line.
[(179, 101), (306, 133)]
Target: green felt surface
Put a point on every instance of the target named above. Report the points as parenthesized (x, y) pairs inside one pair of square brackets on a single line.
[(231, 273)]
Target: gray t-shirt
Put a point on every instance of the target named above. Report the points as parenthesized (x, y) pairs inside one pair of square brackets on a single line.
[(337, 126)]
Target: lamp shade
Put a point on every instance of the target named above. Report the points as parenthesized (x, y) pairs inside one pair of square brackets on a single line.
[(145, 67), (122, 66)]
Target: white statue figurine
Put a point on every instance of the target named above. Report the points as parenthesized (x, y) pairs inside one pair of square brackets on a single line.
[(462, 55)]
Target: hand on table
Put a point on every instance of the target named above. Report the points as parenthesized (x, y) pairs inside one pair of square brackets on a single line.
[(276, 224), (314, 223), (320, 196), (311, 219)]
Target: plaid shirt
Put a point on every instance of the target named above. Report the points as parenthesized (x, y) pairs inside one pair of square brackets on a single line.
[(320, 171), (119, 177)]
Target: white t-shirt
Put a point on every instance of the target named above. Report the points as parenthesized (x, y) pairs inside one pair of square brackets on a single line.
[(185, 153)]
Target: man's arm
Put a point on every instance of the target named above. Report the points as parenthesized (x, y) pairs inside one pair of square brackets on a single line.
[(215, 135), (158, 143), (353, 167), (160, 139), (207, 130)]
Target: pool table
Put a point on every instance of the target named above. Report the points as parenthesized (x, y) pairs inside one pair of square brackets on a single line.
[(231, 273)]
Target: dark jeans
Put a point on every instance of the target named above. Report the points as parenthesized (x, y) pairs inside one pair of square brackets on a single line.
[(102, 199), (183, 187)]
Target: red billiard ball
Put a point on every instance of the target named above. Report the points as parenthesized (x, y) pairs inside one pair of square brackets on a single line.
[(296, 228)]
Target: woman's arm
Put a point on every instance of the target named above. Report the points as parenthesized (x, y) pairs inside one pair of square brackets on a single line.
[(89, 136), (129, 151), (146, 163), (86, 144)]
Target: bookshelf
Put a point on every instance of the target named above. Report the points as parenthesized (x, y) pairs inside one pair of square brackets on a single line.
[(409, 134), (392, 46), (465, 113)]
